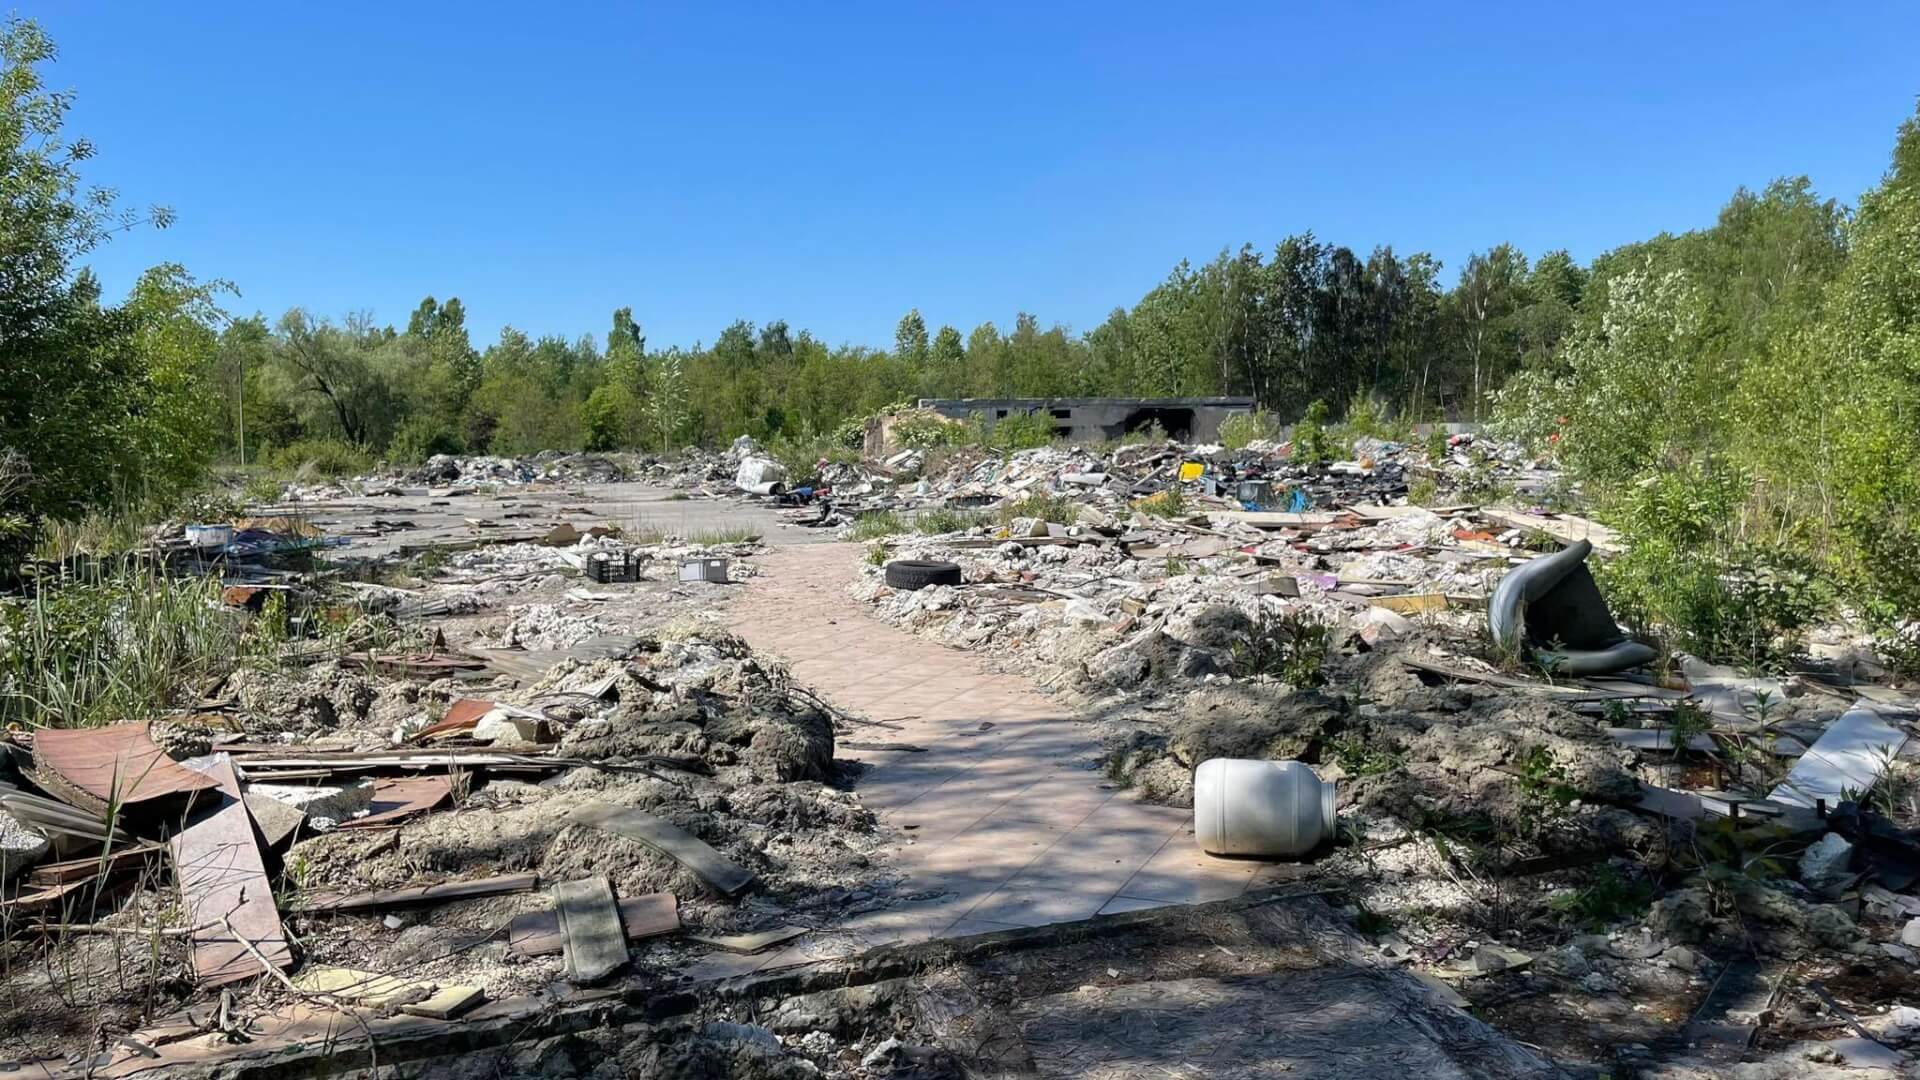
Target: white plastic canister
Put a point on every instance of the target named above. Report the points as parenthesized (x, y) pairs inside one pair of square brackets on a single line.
[(1244, 807)]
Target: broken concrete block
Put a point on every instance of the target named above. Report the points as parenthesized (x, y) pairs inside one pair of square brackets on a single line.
[(500, 726), (20, 847), (1910, 934), (325, 805), (1824, 867)]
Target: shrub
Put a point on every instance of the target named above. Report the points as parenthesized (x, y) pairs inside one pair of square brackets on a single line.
[(1288, 645), (1311, 443), (922, 430), (1241, 429), (421, 436), (1020, 431), (1167, 504), (330, 458)]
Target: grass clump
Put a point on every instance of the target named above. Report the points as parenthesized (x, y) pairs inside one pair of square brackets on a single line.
[(1167, 504), (1312, 444), (737, 534), (1057, 509), (326, 458), (878, 525), (119, 646), (943, 519)]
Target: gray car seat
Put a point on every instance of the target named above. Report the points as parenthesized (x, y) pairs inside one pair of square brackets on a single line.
[(1553, 607)]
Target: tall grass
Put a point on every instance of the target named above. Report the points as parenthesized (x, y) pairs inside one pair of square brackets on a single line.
[(118, 646), (877, 525)]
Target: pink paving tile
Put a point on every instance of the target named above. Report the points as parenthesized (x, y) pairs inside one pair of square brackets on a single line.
[(1054, 803), (1027, 906), (1182, 872), (1131, 903), (976, 927)]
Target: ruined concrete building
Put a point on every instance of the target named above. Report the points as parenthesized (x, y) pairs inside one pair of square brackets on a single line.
[(1188, 419)]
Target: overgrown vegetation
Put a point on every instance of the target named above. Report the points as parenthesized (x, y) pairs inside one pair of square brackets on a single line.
[(878, 525), (943, 519), (119, 646), (1054, 509), (1290, 646), (1240, 430)]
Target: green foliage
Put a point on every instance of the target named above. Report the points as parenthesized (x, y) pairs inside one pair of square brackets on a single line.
[(1544, 782), (1020, 431), (738, 534), (926, 430), (877, 554), (1169, 503), (1695, 567), (1241, 429), (1609, 898), (1290, 646), (1054, 509), (329, 458), (421, 436), (119, 647), (877, 525), (1358, 757), (941, 520), (1311, 442)]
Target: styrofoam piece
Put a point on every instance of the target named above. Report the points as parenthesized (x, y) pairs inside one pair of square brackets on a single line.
[(1844, 762), (1273, 808)]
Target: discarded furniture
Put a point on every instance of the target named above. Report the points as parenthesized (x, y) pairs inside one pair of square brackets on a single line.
[(1273, 808), (1552, 607)]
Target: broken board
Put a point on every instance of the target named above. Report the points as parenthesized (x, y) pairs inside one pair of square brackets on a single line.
[(420, 894), (596, 943), (721, 874), (751, 943), (222, 876), (1844, 762), (537, 933)]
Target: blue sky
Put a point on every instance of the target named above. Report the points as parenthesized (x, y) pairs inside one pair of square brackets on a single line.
[(837, 164)]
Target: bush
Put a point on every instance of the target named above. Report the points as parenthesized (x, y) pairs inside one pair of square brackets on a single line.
[(1288, 646), (329, 458), (923, 430), (1167, 504), (1242, 429), (1692, 570), (1020, 431), (421, 436), (1311, 443), (877, 525)]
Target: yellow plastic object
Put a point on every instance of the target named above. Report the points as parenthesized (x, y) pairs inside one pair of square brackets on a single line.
[(1191, 470)]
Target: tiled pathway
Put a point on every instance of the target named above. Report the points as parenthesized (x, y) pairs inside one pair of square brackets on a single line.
[(1005, 819)]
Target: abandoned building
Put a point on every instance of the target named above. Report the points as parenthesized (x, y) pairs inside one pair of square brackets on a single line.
[(1188, 419)]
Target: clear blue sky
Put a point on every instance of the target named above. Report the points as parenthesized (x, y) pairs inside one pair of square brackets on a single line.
[(836, 164)]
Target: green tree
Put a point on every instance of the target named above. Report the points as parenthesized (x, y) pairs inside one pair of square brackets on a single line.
[(910, 340)]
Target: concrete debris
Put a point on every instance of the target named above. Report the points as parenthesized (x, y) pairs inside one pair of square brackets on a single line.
[(1824, 865)]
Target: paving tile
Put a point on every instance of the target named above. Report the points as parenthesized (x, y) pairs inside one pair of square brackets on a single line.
[(1131, 903), (1054, 803), (1182, 872), (1028, 906), (976, 927)]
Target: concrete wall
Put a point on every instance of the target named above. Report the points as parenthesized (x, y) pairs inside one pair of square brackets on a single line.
[(1092, 419)]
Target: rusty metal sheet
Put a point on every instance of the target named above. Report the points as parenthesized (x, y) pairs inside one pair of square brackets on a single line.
[(462, 715), (223, 880), (94, 767), (395, 798)]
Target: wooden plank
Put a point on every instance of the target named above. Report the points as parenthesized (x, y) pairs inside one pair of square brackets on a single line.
[(1565, 528), (222, 876), (537, 933), (721, 874), (447, 1003), (419, 894), (590, 923), (1412, 603), (751, 943), (123, 861), (369, 988)]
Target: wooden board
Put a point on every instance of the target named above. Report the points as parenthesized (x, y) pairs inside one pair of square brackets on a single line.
[(751, 943), (596, 944), (221, 874), (721, 874), (1412, 603), (537, 933), (369, 988), (419, 894), (447, 1003), (1563, 527)]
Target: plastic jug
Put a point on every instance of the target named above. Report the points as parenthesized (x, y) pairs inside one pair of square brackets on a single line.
[(1246, 807)]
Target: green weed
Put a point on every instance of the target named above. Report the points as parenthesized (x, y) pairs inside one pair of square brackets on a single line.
[(877, 525)]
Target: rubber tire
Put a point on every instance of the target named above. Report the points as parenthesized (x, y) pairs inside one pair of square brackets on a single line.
[(912, 574)]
